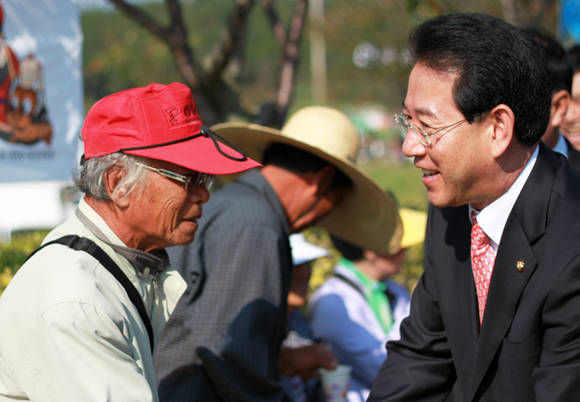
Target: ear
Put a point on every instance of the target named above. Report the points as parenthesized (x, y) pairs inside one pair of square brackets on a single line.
[(369, 255), (501, 121), (323, 179), (560, 102), (112, 178)]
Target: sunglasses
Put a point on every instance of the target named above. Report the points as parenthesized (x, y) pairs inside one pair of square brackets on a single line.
[(190, 181)]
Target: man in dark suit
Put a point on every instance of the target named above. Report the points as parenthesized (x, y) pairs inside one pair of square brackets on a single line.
[(571, 124), (497, 308), (560, 74), (573, 155)]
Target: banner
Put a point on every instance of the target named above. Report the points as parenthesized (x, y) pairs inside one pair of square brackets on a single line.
[(41, 112), (41, 98), (570, 21)]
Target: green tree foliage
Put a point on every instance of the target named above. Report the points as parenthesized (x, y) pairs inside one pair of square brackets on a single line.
[(218, 48), (118, 53)]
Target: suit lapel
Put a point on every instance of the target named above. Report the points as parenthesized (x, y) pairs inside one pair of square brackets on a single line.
[(459, 304), (573, 156), (465, 298), (515, 261), (463, 315)]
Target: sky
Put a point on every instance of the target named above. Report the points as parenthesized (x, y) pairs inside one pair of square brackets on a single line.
[(83, 4), (88, 4)]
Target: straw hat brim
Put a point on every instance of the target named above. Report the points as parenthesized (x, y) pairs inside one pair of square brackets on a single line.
[(414, 226), (366, 216)]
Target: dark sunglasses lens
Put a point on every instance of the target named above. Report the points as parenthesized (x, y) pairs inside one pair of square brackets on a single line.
[(199, 179)]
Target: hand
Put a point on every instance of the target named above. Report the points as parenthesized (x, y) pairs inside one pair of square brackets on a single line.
[(306, 360)]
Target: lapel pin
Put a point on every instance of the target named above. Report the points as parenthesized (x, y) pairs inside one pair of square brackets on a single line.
[(520, 265)]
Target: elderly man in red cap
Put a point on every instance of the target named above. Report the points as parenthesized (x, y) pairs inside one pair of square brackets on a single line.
[(80, 317)]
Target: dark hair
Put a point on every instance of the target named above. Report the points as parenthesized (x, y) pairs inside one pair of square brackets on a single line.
[(299, 161), (557, 60), (496, 64), (348, 250), (574, 53)]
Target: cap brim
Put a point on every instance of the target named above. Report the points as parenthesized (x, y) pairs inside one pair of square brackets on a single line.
[(200, 154), (367, 216)]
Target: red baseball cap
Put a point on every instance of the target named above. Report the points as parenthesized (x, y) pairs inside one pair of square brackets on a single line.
[(159, 122)]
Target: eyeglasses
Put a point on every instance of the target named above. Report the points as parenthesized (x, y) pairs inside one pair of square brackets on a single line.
[(406, 127), (190, 181)]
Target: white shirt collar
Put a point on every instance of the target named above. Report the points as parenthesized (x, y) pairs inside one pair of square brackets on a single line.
[(561, 145), (492, 219), (99, 223)]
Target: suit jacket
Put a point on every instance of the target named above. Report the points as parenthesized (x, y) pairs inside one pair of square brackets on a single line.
[(528, 346), (573, 155)]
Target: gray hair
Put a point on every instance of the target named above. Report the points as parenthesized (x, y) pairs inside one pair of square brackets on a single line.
[(90, 178)]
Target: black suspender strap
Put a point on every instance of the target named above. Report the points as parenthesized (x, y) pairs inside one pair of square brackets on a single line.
[(89, 246)]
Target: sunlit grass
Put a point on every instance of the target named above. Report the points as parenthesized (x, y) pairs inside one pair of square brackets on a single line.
[(403, 180)]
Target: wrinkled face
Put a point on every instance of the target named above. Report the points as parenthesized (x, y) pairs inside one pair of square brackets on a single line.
[(164, 214), (299, 286), (458, 157)]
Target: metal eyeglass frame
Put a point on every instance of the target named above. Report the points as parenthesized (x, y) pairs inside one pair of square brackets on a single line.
[(402, 120), (190, 181)]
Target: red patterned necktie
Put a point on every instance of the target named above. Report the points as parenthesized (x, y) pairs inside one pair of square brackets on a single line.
[(482, 259)]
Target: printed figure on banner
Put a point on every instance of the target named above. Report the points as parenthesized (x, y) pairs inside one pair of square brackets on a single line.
[(23, 116)]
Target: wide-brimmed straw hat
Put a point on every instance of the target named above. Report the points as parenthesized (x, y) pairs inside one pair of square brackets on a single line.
[(366, 216), (159, 122), (414, 225)]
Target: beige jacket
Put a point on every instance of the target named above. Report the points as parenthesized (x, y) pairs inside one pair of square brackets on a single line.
[(68, 330)]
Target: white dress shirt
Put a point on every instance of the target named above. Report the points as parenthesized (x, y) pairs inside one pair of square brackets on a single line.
[(492, 218)]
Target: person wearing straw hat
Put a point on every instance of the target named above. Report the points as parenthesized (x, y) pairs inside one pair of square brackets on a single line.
[(224, 339), (359, 308), (81, 317)]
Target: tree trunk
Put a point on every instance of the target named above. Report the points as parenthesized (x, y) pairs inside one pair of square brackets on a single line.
[(214, 97)]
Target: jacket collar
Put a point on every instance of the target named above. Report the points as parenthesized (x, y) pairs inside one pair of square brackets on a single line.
[(146, 263), (258, 183)]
